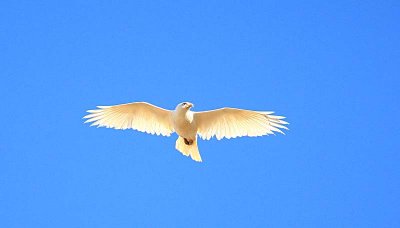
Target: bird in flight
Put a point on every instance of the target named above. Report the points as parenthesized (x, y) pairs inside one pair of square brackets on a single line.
[(221, 123)]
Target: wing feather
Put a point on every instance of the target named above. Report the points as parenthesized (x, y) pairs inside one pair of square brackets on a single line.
[(140, 116), (232, 123)]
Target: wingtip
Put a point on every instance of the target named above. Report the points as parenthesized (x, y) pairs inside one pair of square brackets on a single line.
[(103, 106)]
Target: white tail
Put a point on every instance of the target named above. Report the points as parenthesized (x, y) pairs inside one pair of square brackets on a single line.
[(187, 150)]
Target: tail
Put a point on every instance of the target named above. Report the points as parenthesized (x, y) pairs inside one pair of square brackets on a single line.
[(187, 150)]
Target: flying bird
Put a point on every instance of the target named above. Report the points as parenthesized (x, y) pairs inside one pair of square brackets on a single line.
[(221, 123)]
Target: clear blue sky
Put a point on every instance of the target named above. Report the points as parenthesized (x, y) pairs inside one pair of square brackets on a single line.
[(331, 67)]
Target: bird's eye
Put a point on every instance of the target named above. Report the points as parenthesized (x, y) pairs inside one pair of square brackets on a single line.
[(184, 103)]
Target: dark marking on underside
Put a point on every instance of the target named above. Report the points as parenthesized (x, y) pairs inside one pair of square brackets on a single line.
[(188, 141)]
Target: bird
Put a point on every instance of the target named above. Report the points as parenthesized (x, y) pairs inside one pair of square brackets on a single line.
[(187, 124)]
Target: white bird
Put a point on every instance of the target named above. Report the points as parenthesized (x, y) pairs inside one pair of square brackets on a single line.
[(222, 123)]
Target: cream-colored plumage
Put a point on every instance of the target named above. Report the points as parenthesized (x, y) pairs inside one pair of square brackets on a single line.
[(222, 123), (233, 122), (139, 116)]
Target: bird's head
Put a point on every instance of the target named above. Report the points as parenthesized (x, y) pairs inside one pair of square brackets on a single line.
[(185, 105)]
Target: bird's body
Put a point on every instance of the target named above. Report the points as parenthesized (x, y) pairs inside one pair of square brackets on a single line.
[(184, 124), (222, 123)]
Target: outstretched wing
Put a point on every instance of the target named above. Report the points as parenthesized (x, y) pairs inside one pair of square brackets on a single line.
[(232, 123), (139, 116)]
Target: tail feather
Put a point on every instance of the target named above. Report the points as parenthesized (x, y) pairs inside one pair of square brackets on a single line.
[(187, 150)]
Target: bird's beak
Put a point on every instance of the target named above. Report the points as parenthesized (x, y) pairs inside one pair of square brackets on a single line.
[(190, 105)]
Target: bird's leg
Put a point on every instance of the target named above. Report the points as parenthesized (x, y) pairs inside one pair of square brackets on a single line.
[(188, 141)]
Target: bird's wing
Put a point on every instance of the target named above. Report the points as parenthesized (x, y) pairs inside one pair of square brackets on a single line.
[(140, 116), (232, 123)]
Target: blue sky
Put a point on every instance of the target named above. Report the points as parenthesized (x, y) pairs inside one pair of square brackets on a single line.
[(331, 67)]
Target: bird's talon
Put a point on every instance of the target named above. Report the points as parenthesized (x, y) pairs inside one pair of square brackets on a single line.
[(188, 141)]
